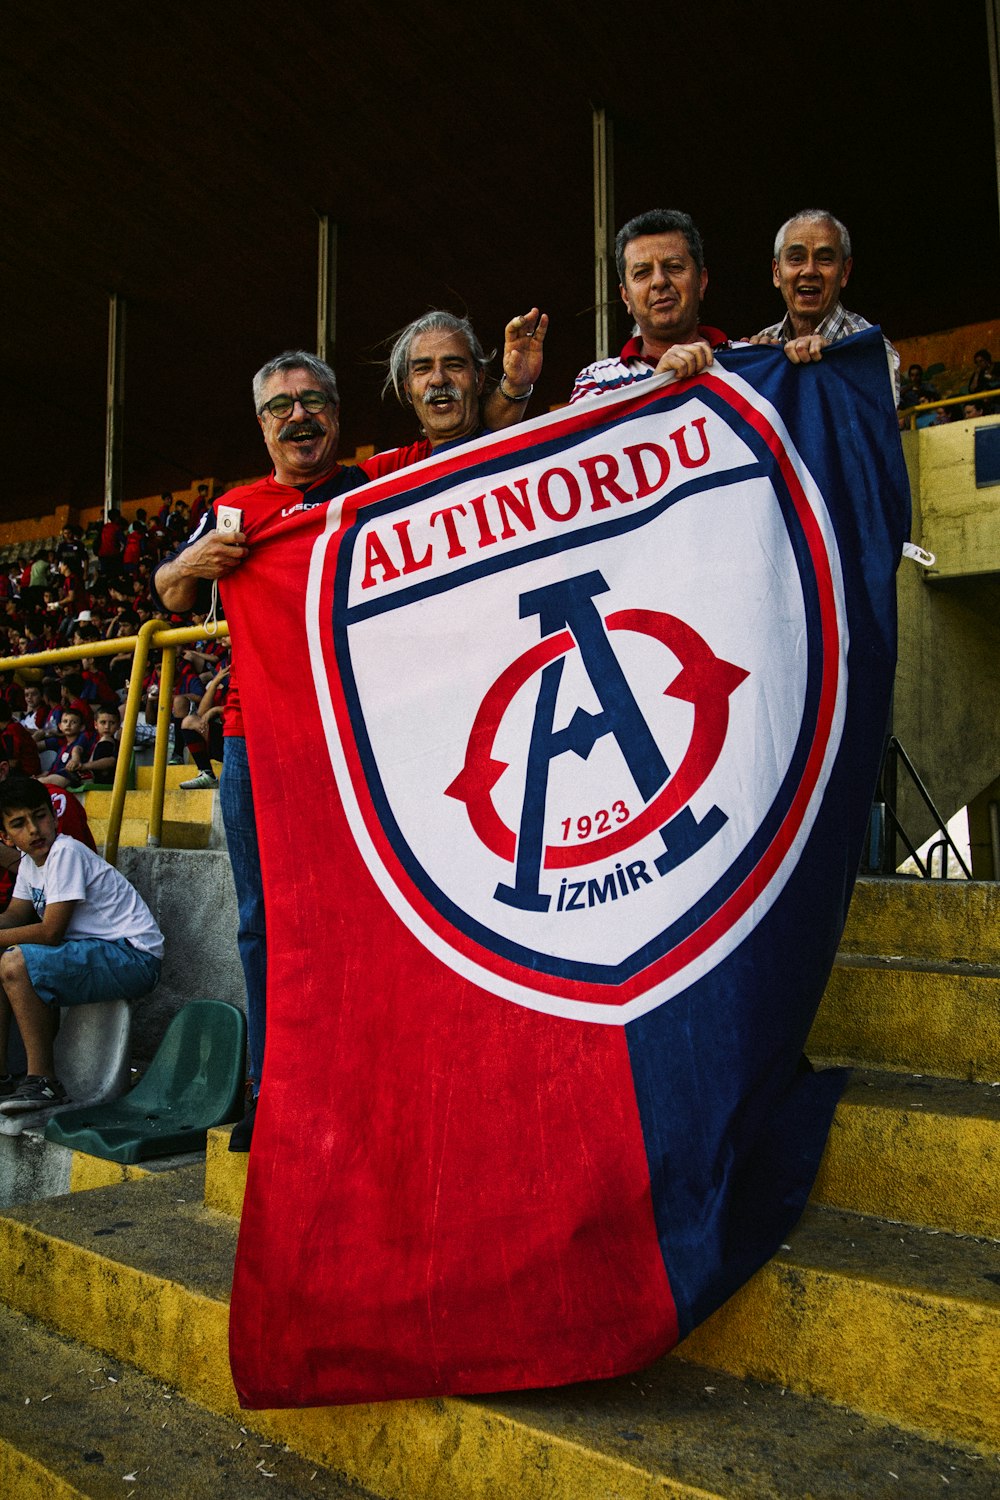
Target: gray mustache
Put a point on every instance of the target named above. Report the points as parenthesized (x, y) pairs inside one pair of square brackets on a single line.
[(300, 429)]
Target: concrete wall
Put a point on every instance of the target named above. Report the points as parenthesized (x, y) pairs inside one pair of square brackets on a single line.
[(191, 894), (947, 703), (961, 524)]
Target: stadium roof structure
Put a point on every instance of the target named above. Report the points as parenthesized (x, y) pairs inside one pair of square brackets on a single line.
[(180, 156)]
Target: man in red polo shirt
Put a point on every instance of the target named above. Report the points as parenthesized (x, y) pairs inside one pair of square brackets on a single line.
[(661, 268)]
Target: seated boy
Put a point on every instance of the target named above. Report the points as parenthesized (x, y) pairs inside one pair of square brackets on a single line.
[(73, 751), (75, 932), (100, 767)]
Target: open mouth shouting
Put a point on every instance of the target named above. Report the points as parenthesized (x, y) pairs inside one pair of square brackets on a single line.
[(300, 432), (441, 396)]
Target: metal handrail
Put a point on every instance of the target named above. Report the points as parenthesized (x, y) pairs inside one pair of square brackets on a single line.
[(963, 400), (153, 635), (892, 757)]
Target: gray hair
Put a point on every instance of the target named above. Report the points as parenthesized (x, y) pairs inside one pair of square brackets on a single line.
[(435, 321), (814, 216), (659, 221), (296, 359)]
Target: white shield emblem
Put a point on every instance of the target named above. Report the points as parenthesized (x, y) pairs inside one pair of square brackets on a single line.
[(583, 689)]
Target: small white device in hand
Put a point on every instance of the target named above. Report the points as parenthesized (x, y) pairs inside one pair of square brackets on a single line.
[(228, 521)]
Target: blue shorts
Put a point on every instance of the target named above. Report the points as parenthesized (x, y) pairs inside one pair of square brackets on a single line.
[(83, 971)]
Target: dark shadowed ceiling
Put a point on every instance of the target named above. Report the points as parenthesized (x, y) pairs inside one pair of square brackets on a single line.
[(180, 155)]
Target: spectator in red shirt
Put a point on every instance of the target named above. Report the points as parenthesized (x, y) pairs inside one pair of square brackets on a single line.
[(19, 746)]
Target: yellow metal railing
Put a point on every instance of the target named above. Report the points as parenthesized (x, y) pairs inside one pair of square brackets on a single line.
[(155, 634), (977, 398)]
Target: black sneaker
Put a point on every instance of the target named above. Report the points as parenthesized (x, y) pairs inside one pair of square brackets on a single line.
[(242, 1132), (34, 1093)]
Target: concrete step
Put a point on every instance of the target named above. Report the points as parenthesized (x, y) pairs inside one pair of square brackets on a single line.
[(187, 816), (897, 1322), (911, 1015), (135, 833), (78, 1424), (179, 806), (175, 775), (225, 1173), (925, 1151), (946, 920), (902, 1325)]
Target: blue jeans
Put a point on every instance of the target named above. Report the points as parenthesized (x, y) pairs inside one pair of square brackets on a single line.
[(236, 798)]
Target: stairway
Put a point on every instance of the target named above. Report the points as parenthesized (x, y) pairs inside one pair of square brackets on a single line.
[(863, 1360), (187, 816)]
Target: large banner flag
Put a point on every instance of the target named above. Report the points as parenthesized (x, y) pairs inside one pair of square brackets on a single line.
[(563, 745)]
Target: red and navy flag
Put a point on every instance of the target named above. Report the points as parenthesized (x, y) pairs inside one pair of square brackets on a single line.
[(563, 745)]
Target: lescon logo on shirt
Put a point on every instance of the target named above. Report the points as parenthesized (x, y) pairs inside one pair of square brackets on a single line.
[(583, 689)]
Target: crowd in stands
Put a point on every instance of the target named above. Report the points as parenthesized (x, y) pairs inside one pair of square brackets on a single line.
[(63, 724), (919, 391)]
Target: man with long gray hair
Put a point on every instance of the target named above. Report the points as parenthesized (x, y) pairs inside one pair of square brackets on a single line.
[(437, 366)]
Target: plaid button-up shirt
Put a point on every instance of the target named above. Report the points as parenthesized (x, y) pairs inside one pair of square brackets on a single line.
[(837, 324)]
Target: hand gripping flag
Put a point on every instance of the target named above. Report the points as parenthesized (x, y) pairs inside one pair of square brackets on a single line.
[(563, 745)]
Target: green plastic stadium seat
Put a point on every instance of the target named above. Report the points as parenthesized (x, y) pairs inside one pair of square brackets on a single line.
[(194, 1081)]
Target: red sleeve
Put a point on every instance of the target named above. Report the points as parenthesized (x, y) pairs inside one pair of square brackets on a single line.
[(26, 751), (71, 818), (395, 458)]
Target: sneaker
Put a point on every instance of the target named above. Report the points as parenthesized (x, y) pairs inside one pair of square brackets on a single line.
[(8, 1083), (200, 783), (175, 760), (34, 1093)]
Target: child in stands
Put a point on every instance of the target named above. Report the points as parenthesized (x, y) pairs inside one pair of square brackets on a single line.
[(74, 750), (75, 932), (203, 733), (99, 767), (33, 715), (20, 745), (46, 736), (96, 688)]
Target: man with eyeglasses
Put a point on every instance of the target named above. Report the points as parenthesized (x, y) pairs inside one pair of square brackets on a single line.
[(298, 408)]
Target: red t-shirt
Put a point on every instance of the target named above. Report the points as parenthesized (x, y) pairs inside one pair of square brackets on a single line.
[(23, 748)]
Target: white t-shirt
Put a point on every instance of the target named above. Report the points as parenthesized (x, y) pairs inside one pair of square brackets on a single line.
[(107, 906)]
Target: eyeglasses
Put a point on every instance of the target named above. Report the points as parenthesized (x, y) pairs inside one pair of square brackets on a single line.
[(282, 406)]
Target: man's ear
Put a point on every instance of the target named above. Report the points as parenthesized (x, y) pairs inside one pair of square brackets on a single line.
[(774, 273), (624, 296), (848, 267)]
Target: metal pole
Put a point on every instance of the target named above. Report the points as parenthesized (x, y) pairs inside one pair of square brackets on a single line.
[(993, 46), (604, 214), (115, 406), (326, 290), (127, 742)]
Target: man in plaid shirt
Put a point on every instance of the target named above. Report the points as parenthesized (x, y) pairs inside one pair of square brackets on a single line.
[(812, 262)]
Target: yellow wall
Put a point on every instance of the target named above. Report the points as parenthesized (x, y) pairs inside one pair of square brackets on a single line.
[(961, 524), (947, 702)]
